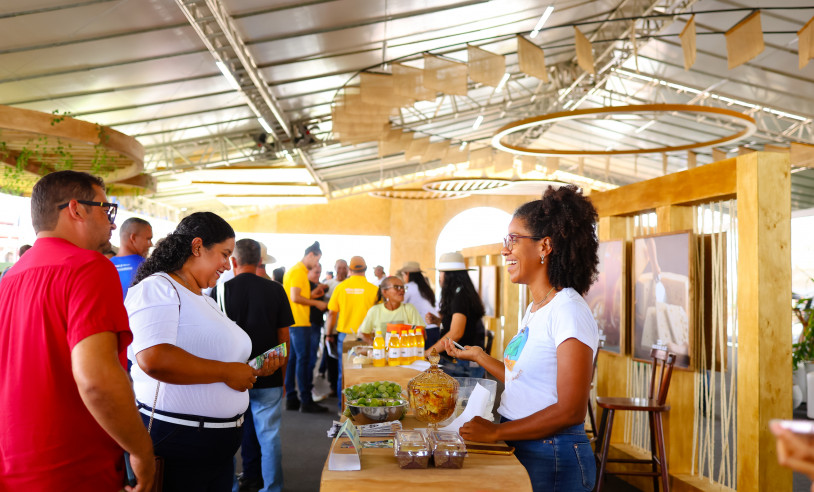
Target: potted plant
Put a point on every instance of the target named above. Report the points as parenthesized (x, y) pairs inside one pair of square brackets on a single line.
[(802, 351)]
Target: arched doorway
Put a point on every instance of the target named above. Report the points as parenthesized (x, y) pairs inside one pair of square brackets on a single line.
[(473, 227)]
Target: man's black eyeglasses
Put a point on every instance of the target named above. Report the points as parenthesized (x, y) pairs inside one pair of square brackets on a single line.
[(111, 208)]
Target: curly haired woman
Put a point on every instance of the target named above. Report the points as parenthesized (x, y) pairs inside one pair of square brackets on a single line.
[(546, 368)]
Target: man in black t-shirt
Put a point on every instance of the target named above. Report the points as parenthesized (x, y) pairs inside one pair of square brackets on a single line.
[(259, 306)]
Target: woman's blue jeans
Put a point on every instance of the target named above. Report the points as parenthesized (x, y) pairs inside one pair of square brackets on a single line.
[(462, 368), (561, 462)]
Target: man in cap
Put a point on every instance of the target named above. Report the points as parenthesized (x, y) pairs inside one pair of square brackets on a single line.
[(347, 307)]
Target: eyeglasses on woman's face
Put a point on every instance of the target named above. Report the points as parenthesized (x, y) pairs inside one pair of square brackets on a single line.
[(510, 240), (109, 208), (399, 288)]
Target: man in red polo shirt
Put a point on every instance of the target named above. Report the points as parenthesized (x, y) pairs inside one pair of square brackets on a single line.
[(66, 404)]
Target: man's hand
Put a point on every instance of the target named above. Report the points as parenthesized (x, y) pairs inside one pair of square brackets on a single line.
[(321, 305), (271, 364), (144, 468)]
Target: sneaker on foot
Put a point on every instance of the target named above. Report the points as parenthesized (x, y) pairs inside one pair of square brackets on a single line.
[(292, 404), (311, 407)]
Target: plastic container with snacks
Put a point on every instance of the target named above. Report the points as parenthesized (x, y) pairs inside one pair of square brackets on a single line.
[(448, 449), (412, 449)]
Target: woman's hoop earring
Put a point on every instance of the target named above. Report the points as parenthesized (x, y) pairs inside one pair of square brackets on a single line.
[(542, 259)]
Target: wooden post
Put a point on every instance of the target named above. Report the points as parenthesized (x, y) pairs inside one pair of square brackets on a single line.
[(764, 296)]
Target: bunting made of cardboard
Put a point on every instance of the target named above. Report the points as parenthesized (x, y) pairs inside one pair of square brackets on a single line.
[(447, 76), (805, 43), (485, 67), (687, 37), (744, 41), (531, 59), (585, 53)]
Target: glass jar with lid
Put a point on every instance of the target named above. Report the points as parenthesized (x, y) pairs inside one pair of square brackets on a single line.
[(433, 394)]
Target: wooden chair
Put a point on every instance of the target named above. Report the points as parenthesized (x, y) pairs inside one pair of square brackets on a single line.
[(655, 406), (591, 417)]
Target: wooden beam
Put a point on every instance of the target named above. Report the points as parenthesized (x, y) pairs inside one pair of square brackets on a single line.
[(703, 184), (764, 324)]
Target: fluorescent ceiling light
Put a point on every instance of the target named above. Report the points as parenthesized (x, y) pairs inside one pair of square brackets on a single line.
[(229, 77), (541, 22), (462, 147), (265, 125), (645, 126), (502, 82), (478, 121)]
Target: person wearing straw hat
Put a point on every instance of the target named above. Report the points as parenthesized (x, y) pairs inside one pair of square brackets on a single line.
[(460, 312), (420, 294), (265, 259)]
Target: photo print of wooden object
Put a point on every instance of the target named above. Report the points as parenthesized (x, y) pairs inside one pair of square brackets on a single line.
[(606, 295), (662, 301)]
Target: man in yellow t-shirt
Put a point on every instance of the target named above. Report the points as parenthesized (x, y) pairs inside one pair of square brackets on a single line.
[(348, 306), (301, 298)]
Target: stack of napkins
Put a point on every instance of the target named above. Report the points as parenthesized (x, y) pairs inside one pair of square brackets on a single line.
[(478, 406), (383, 429)]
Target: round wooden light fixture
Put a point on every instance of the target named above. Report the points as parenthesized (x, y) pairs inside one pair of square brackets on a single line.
[(499, 140)]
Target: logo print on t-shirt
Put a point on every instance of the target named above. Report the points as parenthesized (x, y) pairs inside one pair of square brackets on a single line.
[(515, 348)]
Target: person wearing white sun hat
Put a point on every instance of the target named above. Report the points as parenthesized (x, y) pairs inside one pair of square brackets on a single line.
[(460, 312)]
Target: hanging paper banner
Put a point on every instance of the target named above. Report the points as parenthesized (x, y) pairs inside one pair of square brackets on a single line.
[(687, 37), (416, 148), (485, 67), (444, 75), (409, 82), (805, 43), (531, 59), (585, 54), (744, 41)]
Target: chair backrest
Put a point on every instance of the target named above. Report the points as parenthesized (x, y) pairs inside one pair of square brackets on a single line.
[(663, 363), (490, 337), (599, 345)]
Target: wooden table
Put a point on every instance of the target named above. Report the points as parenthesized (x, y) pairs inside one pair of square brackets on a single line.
[(381, 471)]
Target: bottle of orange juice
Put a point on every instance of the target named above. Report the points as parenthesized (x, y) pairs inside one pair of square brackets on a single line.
[(419, 343), (407, 347), (379, 349), (394, 350)]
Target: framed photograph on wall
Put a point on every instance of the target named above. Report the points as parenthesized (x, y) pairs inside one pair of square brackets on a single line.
[(488, 289), (663, 296), (606, 296)]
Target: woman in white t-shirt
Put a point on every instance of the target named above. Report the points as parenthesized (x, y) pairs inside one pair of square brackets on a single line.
[(546, 368), (189, 360)]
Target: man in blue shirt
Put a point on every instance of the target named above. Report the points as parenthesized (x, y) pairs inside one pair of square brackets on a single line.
[(136, 239)]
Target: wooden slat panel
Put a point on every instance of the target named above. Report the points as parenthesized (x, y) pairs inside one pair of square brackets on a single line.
[(706, 183)]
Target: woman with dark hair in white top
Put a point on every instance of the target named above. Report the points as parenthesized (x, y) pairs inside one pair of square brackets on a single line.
[(190, 373), (547, 366)]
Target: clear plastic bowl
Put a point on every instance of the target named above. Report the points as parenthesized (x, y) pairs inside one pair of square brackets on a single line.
[(465, 389)]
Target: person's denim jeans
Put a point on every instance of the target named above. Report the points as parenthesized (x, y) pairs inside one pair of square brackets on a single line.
[(313, 346), (462, 368), (266, 410), (339, 340), (561, 462), (297, 374), (195, 458)]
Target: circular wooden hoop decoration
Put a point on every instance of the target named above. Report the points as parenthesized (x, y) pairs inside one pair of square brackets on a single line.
[(466, 185), (416, 195), (25, 128), (739, 118)]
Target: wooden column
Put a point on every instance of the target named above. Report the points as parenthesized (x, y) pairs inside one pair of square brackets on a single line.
[(764, 323)]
